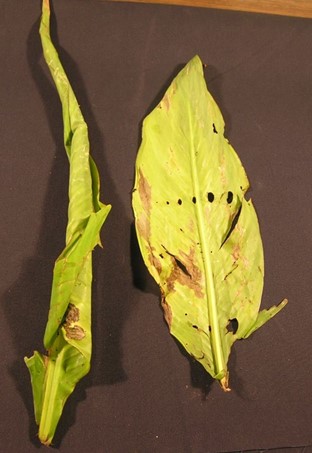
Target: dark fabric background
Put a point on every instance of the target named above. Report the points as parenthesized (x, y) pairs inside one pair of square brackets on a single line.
[(143, 394)]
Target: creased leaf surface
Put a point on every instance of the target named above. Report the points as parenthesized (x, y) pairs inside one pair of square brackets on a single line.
[(67, 336), (198, 235)]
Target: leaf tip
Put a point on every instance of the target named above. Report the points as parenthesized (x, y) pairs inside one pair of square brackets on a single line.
[(224, 382)]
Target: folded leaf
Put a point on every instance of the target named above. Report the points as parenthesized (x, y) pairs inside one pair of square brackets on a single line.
[(198, 235), (67, 336)]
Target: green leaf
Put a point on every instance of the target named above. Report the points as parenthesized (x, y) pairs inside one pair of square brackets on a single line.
[(198, 235), (67, 336)]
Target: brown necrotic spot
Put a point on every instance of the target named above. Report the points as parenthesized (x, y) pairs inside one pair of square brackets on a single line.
[(236, 252), (153, 257), (143, 221), (75, 332), (72, 314), (185, 272), (166, 102), (167, 311), (181, 266), (144, 191)]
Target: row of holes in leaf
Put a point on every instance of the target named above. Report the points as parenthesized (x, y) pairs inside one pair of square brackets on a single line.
[(210, 197), (232, 325)]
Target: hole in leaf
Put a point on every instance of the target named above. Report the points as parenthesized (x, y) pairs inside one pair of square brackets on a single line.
[(232, 325), (235, 220), (210, 197), (209, 328), (195, 326), (161, 255), (178, 263), (167, 202), (214, 128), (194, 200), (181, 266), (229, 197), (179, 201)]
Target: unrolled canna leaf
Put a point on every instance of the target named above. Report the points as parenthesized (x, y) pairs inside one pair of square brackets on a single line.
[(198, 235), (67, 336)]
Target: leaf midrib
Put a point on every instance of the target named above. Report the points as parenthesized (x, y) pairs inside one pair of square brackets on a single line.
[(216, 344)]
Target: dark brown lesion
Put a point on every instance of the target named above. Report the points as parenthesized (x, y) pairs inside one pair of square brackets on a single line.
[(72, 314), (167, 310), (154, 260), (185, 271), (73, 331)]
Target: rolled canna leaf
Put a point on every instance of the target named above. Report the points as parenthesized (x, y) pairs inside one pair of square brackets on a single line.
[(67, 338)]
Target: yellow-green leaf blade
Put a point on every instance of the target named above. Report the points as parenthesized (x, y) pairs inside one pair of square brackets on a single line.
[(198, 235)]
